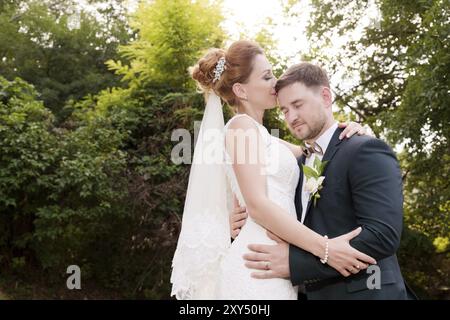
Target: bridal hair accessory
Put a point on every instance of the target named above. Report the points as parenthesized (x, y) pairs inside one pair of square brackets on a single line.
[(220, 67)]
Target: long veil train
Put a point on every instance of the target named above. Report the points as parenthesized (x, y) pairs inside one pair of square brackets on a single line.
[(205, 235)]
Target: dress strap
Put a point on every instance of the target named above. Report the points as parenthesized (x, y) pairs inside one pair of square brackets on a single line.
[(239, 115)]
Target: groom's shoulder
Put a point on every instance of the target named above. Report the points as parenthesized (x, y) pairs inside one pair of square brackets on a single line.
[(367, 143), (357, 141)]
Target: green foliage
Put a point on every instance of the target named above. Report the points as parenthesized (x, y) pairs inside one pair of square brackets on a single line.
[(60, 48), (26, 144), (58, 188), (107, 197), (158, 99), (171, 35)]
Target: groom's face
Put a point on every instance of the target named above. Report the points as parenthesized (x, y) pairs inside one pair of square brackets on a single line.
[(306, 109)]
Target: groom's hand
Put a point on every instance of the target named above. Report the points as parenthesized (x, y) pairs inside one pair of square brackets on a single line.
[(273, 260), (237, 220)]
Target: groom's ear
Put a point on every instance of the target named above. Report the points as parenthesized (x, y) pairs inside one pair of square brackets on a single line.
[(327, 96), (239, 91)]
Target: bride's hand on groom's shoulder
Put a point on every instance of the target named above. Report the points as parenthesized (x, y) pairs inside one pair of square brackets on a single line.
[(346, 259), (237, 220), (351, 128)]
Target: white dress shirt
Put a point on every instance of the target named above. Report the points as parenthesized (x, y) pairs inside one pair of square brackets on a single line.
[(323, 141)]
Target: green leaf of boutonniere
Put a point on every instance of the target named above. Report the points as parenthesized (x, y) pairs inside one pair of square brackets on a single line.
[(314, 178), (317, 164), (310, 172)]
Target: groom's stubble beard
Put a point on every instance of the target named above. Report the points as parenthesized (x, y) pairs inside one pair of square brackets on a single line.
[(315, 129)]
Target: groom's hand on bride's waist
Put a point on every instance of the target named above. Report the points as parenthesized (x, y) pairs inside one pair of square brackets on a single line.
[(237, 220), (269, 261)]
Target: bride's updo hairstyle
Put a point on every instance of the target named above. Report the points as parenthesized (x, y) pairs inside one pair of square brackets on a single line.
[(237, 69)]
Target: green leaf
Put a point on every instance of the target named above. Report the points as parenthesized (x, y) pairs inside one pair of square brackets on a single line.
[(323, 166), (309, 172), (317, 165)]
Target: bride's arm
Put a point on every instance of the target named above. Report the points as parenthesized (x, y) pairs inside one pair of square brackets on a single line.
[(248, 164), (295, 149)]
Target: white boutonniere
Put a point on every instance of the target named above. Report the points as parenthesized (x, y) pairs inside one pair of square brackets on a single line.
[(314, 178)]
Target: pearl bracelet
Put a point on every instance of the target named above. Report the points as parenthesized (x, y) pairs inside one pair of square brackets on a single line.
[(325, 260)]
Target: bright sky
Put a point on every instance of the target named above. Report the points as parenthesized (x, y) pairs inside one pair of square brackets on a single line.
[(250, 15)]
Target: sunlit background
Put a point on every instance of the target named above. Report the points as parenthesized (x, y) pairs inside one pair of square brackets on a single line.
[(246, 18), (92, 90)]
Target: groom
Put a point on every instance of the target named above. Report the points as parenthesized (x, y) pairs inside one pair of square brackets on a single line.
[(362, 187)]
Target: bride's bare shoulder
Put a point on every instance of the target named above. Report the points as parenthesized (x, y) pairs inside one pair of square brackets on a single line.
[(241, 122)]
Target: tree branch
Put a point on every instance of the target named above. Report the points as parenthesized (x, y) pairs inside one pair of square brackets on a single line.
[(355, 110)]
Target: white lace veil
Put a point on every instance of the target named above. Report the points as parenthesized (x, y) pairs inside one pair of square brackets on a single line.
[(205, 235)]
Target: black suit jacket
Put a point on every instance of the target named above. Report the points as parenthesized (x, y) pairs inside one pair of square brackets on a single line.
[(362, 187)]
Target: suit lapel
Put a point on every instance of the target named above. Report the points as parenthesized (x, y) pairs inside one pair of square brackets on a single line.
[(332, 148), (298, 191)]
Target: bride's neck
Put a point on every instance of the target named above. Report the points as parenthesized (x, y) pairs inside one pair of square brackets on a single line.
[(257, 115)]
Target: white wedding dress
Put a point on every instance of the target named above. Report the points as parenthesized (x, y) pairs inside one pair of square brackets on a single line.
[(235, 281)]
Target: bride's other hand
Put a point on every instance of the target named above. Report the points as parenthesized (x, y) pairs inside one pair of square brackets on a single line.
[(351, 128), (237, 219), (346, 259)]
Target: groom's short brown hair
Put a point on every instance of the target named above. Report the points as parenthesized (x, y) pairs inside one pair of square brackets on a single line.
[(307, 73)]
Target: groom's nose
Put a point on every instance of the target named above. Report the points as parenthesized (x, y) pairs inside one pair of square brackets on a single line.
[(291, 118)]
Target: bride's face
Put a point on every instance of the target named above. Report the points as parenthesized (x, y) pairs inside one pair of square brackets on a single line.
[(260, 87)]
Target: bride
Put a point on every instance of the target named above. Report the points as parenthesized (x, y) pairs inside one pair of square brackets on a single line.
[(241, 160)]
